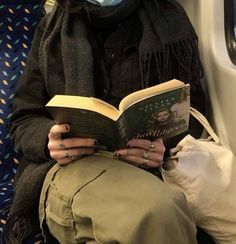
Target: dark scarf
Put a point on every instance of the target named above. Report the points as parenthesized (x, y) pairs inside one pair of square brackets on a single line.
[(67, 57), (168, 42)]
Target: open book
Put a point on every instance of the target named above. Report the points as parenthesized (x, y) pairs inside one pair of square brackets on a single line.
[(158, 111)]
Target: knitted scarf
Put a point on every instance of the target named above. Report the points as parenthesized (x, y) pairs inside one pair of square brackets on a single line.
[(67, 57), (168, 42)]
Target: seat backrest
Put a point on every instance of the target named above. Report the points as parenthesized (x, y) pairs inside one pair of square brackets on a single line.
[(18, 19)]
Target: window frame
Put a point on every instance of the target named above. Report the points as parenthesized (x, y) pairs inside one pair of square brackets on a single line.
[(230, 25)]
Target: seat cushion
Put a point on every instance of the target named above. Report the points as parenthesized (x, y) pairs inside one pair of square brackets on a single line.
[(18, 20)]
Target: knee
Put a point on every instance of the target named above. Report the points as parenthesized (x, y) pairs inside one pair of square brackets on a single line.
[(165, 212), (173, 198), (166, 205)]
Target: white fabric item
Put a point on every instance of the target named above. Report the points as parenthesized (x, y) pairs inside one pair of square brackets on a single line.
[(104, 3), (206, 172)]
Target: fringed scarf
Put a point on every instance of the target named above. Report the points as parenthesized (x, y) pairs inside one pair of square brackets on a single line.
[(168, 43)]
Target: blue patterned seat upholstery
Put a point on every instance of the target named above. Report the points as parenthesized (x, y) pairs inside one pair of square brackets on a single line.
[(18, 19)]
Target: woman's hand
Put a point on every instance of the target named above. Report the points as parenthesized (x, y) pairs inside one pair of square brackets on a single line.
[(143, 153), (67, 150)]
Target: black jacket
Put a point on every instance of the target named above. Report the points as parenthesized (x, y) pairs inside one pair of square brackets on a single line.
[(31, 122)]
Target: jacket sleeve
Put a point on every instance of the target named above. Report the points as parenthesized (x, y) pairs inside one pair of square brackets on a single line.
[(30, 122)]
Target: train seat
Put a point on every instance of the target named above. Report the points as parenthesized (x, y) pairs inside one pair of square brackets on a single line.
[(18, 20)]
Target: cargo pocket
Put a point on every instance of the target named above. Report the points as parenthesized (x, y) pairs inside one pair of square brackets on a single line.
[(58, 207), (59, 217), (54, 210)]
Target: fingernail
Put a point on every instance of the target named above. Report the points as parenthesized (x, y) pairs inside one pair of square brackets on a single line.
[(67, 127), (116, 155)]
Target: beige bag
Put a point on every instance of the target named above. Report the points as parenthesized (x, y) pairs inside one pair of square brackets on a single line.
[(205, 171)]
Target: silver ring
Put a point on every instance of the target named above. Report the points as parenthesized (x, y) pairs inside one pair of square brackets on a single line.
[(66, 153), (145, 161), (152, 147), (145, 155), (61, 144)]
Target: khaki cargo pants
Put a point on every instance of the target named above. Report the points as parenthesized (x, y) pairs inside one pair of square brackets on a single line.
[(98, 199)]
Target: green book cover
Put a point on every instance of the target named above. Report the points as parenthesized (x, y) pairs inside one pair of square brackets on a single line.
[(155, 112)]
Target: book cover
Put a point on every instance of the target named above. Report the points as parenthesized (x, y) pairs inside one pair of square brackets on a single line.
[(157, 115)]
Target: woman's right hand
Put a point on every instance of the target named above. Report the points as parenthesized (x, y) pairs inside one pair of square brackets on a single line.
[(67, 150)]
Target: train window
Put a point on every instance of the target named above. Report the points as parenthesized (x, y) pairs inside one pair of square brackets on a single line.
[(230, 28), (234, 9)]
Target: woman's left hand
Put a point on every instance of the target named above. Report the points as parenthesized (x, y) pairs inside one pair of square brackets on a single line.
[(143, 153)]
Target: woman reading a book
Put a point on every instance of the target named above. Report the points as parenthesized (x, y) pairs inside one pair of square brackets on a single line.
[(105, 49)]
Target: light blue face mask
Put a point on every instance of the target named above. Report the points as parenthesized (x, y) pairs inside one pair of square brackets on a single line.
[(104, 3)]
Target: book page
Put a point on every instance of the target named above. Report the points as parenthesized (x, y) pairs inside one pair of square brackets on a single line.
[(149, 92), (85, 103)]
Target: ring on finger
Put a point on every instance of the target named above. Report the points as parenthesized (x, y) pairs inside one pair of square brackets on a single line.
[(145, 155), (145, 162), (152, 147), (66, 153), (61, 144)]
